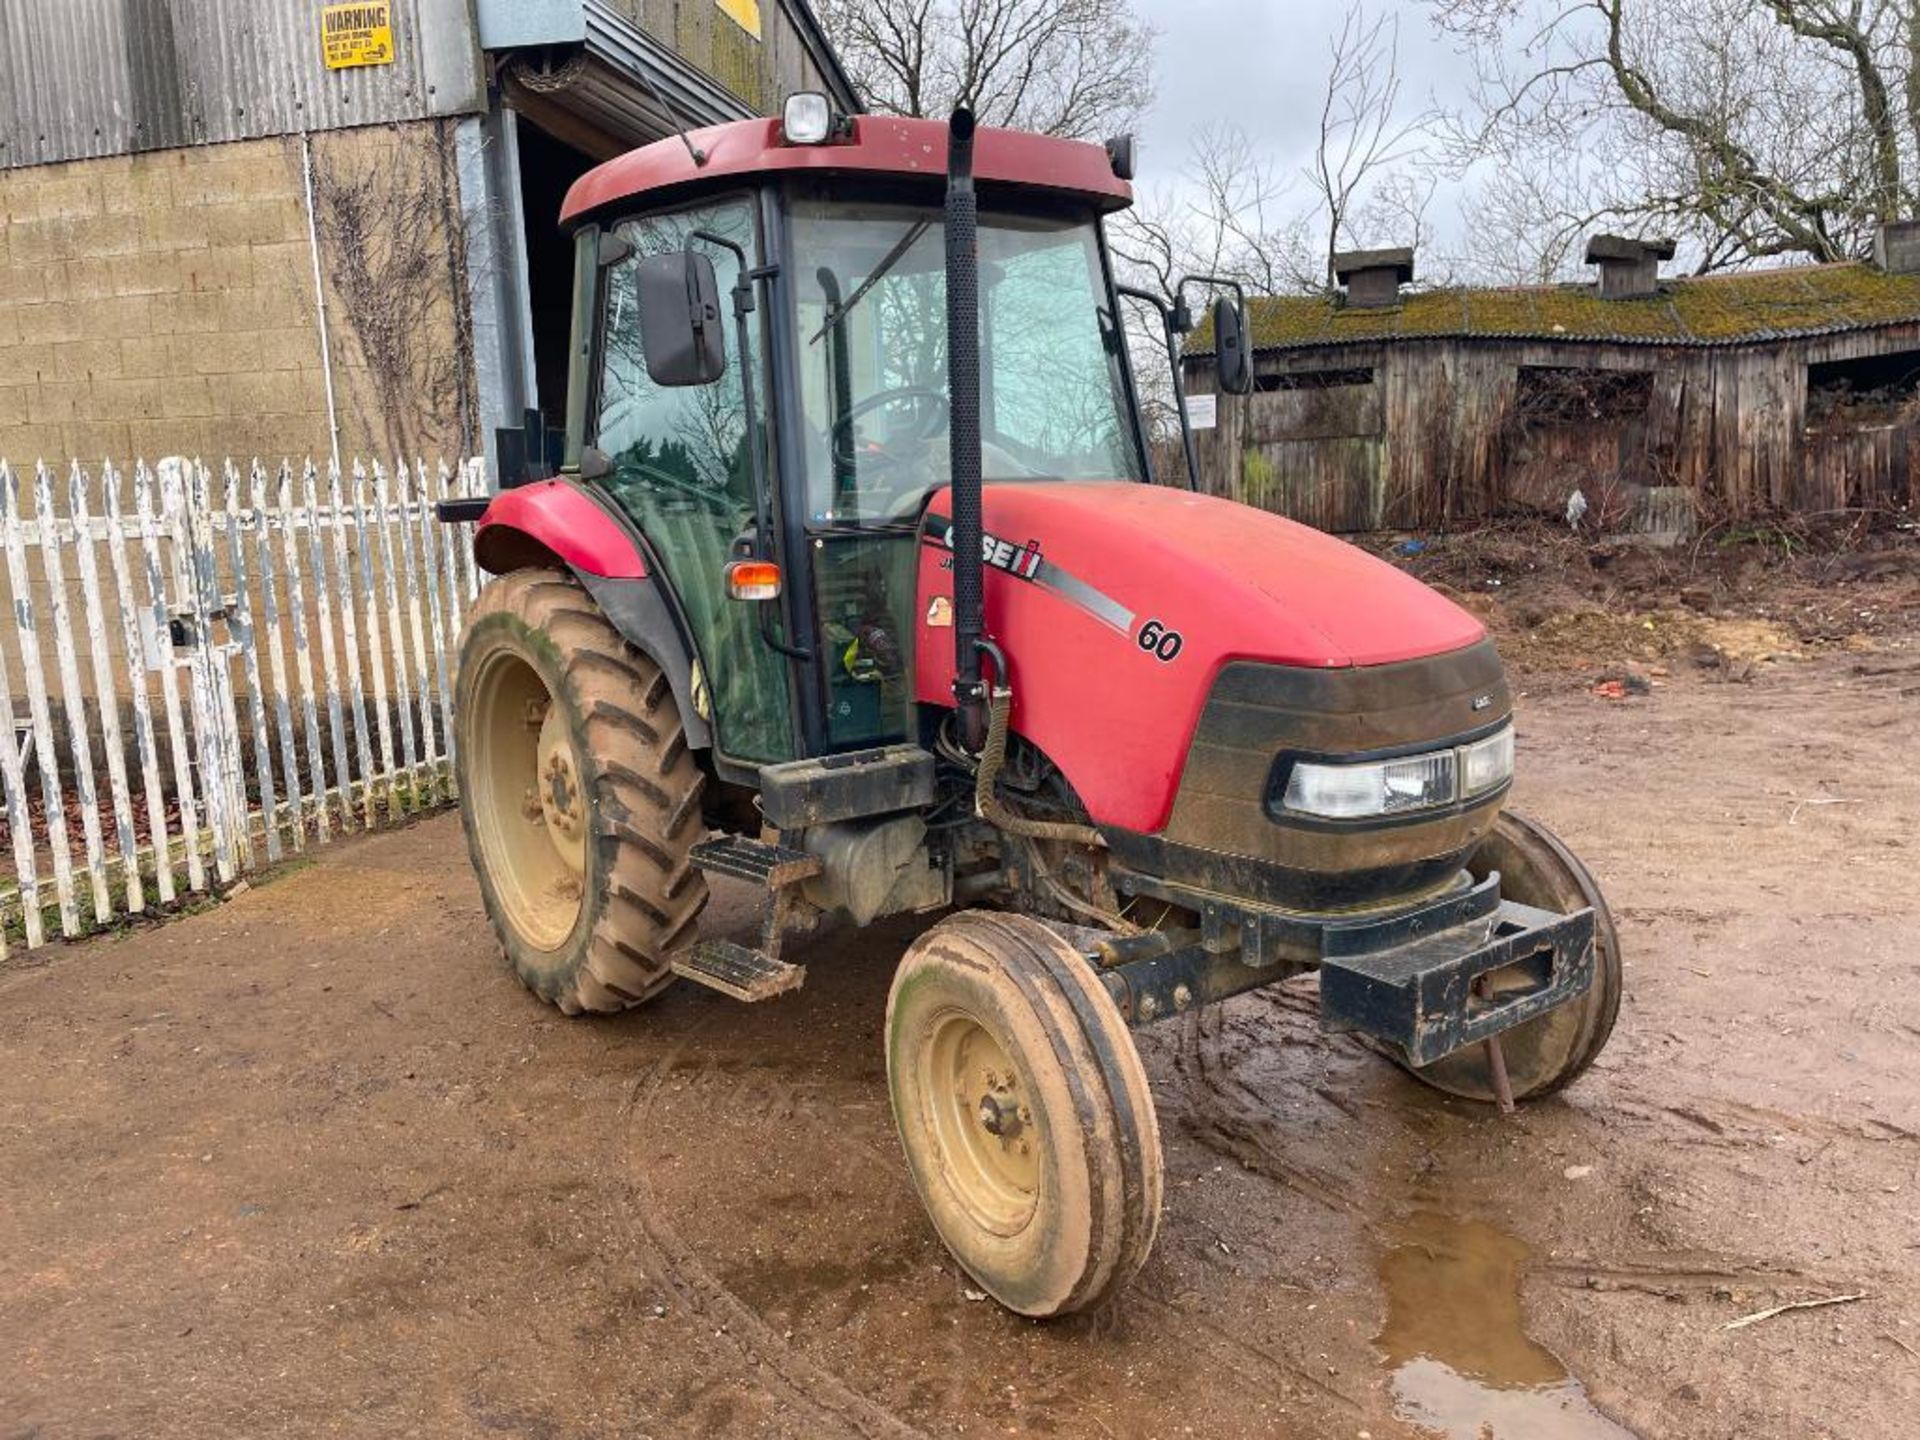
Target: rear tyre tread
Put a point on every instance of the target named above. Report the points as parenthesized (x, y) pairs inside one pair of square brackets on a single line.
[(644, 895)]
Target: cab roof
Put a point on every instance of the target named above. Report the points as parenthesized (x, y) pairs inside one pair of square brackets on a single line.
[(875, 145)]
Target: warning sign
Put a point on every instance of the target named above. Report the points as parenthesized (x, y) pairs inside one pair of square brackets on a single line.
[(744, 13), (359, 34)]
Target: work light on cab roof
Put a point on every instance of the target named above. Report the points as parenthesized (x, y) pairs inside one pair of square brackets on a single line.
[(808, 119), (857, 584)]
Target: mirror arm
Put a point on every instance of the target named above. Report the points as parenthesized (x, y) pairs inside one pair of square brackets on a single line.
[(1239, 292), (1167, 318), (743, 306)]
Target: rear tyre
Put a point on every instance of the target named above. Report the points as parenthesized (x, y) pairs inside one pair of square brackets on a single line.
[(1550, 1053), (1024, 1111), (578, 794)]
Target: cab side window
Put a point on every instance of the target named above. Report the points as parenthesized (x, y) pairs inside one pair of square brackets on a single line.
[(682, 468)]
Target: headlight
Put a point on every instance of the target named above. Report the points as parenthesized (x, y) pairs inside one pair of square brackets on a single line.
[(1487, 764), (1407, 783)]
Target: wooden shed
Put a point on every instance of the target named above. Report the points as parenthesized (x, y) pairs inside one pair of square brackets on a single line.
[(1795, 388)]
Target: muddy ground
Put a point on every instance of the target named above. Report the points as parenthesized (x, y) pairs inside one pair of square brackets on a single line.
[(310, 1163)]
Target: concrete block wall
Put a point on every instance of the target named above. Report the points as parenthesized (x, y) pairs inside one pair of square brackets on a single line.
[(164, 303)]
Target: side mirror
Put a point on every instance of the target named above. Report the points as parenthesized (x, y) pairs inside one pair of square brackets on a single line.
[(1231, 356), (680, 330)]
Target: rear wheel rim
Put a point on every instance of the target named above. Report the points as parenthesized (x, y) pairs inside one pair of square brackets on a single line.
[(982, 1120), (528, 805)]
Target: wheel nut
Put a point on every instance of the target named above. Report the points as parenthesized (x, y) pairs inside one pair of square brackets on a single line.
[(998, 1119), (1182, 997), (1149, 1007)]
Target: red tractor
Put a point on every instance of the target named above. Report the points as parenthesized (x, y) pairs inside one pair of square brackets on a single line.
[(854, 583)]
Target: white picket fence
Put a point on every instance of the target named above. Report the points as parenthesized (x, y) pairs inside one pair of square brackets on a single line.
[(211, 740)]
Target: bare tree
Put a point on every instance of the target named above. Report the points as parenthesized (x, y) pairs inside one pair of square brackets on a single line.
[(1747, 128), (1234, 212), (1079, 68), (1238, 213), (1366, 138)]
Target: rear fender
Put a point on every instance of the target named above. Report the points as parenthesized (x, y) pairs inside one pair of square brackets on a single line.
[(555, 519), (555, 522)]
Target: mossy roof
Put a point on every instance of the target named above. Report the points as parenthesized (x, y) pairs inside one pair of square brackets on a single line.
[(1732, 309)]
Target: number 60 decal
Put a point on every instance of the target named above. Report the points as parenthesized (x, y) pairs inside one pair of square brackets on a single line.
[(1158, 641)]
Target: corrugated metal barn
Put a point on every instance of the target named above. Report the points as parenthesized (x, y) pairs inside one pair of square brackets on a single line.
[(286, 226), (1791, 389)]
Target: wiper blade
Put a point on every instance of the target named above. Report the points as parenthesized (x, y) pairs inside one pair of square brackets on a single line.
[(892, 258)]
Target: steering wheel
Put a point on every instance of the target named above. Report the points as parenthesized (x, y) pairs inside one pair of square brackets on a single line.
[(931, 409)]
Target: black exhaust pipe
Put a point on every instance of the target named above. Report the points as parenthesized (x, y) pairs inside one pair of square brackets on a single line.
[(963, 426)]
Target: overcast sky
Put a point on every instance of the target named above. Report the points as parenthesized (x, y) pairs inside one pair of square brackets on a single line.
[(1261, 65)]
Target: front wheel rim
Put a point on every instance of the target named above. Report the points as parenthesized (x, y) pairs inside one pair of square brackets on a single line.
[(980, 1114), (525, 796)]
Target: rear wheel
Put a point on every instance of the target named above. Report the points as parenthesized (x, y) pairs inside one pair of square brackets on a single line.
[(1024, 1113), (1549, 1053), (578, 794)]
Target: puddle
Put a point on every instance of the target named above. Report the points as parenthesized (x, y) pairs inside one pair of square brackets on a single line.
[(1462, 1364)]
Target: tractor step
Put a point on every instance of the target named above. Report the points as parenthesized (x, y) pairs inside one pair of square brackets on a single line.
[(757, 861), (737, 971)]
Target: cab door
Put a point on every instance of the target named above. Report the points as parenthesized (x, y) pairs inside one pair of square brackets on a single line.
[(682, 468)]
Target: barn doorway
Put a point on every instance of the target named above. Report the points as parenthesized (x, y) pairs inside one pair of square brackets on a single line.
[(548, 167)]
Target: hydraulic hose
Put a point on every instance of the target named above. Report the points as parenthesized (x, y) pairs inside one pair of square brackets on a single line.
[(986, 800)]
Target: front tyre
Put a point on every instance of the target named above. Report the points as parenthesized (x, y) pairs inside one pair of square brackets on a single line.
[(1024, 1112), (578, 794)]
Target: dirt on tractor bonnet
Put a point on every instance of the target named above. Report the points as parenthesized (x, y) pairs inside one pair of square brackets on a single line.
[(311, 1163)]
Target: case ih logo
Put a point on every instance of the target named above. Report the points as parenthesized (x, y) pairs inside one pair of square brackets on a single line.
[(1001, 554), (1022, 561), (1025, 562)]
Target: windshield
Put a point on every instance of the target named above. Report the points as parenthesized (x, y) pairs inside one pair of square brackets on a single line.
[(872, 299)]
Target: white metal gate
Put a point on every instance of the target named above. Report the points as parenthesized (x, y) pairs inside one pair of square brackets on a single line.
[(264, 660)]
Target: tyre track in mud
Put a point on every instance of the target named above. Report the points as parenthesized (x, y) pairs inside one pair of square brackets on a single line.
[(1239, 1355), (1227, 1117), (767, 1363)]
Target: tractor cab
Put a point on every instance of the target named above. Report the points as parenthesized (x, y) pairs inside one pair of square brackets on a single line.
[(780, 475)]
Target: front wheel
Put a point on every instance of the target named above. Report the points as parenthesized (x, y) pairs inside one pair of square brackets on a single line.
[(1551, 1052), (1024, 1113), (578, 794)]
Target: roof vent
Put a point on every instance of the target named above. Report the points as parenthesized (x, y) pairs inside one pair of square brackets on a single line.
[(1371, 279), (1896, 247), (1629, 268)]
